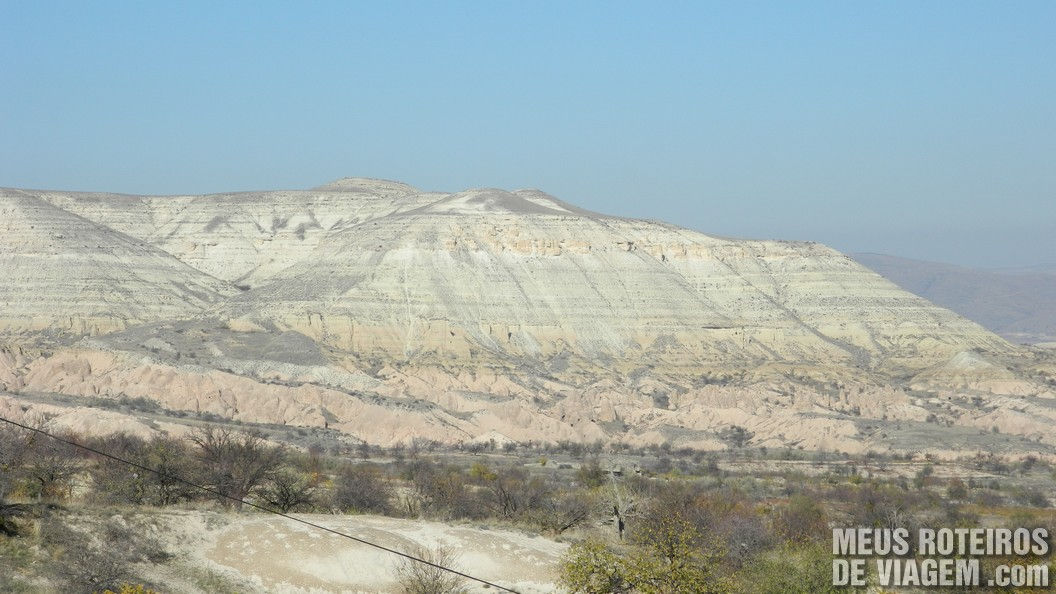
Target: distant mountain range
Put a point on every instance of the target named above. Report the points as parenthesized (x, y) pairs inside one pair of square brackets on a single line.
[(1019, 304)]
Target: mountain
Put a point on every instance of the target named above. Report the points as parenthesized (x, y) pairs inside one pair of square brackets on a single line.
[(518, 276), (1016, 303), (388, 313)]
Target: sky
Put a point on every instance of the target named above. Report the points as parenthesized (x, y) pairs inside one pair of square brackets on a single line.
[(919, 129)]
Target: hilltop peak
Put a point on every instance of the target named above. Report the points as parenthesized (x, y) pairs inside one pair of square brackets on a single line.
[(368, 184)]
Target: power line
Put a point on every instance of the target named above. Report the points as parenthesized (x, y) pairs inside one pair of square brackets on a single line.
[(260, 507)]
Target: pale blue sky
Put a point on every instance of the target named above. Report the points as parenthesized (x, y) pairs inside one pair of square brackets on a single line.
[(922, 129)]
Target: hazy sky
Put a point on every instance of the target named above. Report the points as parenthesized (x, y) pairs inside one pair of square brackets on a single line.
[(922, 129)]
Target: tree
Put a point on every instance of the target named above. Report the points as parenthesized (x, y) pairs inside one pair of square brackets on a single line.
[(48, 466), (669, 560), (37, 465), (442, 489), (288, 490), (362, 488), (14, 446), (235, 464), (511, 492), (116, 482), (172, 458), (674, 560)]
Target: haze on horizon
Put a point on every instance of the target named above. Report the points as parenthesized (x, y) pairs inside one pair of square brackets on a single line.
[(919, 130)]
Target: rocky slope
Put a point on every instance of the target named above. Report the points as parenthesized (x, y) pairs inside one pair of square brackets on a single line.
[(495, 275), (64, 274), (389, 313)]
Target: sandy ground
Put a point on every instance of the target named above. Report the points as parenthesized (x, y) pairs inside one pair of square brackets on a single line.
[(273, 554)]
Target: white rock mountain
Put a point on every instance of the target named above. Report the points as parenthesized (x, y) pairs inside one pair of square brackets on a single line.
[(390, 313)]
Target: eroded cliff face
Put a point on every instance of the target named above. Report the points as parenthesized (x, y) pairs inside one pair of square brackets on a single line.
[(391, 313), (493, 276), (64, 275)]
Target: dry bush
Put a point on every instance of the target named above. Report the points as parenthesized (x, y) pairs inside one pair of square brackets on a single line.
[(82, 565), (564, 511), (34, 465), (802, 520), (590, 474), (418, 578), (511, 492), (14, 445), (91, 553)]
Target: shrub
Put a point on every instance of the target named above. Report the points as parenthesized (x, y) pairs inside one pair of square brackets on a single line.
[(957, 489), (590, 474), (114, 482), (131, 589), (82, 566), (802, 520), (511, 492), (674, 559), (590, 567), (671, 559), (418, 578), (1030, 496), (563, 511), (736, 436), (35, 465), (790, 569)]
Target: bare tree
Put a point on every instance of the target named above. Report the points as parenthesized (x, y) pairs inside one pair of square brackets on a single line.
[(363, 488), (288, 490), (564, 511), (114, 481), (235, 464), (47, 465), (14, 443)]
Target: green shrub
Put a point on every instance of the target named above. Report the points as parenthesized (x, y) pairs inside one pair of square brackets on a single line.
[(790, 569)]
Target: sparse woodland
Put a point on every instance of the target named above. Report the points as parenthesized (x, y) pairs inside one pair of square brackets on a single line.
[(638, 520)]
